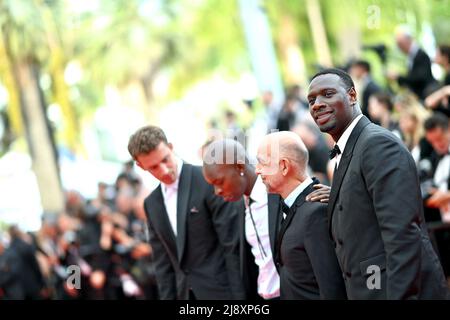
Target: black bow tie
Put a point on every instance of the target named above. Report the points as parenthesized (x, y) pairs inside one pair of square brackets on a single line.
[(335, 151), (285, 208)]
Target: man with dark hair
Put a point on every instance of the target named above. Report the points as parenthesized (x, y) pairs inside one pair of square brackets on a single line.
[(443, 59), (437, 203), (437, 134), (360, 70), (375, 211), (192, 231)]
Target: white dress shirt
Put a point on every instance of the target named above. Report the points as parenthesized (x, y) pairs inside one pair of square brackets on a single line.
[(170, 195), (290, 199), (412, 55), (268, 278), (342, 142)]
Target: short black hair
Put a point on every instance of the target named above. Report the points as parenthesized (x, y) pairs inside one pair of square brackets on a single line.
[(437, 120), (344, 76), (362, 64)]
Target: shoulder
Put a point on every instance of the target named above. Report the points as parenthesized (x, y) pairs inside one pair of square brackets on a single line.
[(274, 198), (153, 195), (374, 135), (312, 208), (380, 147), (313, 211)]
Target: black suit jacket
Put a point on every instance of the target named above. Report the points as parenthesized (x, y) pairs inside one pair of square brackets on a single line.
[(248, 268), (305, 256), (10, 272), (204, 256), (30, 272), (419, 76), (376, 219)]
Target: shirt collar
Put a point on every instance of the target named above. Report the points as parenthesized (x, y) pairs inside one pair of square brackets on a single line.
[(413, 51), (412, 54), (290, 199), (259, 192), (346, 135), (174, 185)]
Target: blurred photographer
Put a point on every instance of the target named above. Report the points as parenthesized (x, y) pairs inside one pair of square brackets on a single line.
[(437, 132)]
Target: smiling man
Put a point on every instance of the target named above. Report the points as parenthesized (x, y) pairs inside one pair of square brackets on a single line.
[(192, 231), (375, 211)]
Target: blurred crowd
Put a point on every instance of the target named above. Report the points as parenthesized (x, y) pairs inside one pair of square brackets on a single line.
[(107, 237)]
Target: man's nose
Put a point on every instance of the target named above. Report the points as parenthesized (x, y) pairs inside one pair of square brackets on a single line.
[(164, 169), (318, 104)]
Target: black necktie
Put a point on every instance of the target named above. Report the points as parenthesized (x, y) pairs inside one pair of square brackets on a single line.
[(285, 208), (335, 151)]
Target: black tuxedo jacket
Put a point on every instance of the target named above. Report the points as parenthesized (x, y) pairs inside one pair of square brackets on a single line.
[(419, 76), (204, 256), (305, 256), (376, 220)]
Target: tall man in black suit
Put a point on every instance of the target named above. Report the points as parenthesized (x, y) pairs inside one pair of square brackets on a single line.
[(192, 231), (226, 166), (419, 76), (305, 255), (375, 210)]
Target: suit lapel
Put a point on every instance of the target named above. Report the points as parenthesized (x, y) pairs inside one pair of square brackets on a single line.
[(161, 219), (297, 204), (343, 166), (273, 203), (184, 188)]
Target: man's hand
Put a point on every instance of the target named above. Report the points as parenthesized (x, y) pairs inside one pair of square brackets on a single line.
[(320, 194), (438, 199)]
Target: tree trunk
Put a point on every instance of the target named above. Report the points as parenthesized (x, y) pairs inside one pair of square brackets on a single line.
[(318, 33), (291, 54), (39, 139)]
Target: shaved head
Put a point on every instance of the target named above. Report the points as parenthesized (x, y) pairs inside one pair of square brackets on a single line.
[(290, 146), (225, 151), (226, 167), (282, 162)]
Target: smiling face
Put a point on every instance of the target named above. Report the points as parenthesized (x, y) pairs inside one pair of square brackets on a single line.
[(160, 162), (226, 179), (331, 104)]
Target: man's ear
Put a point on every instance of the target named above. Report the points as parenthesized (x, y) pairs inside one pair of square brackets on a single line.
[(170, 145), (285, 166), (240, 167), (352, 95), (139, 165)]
